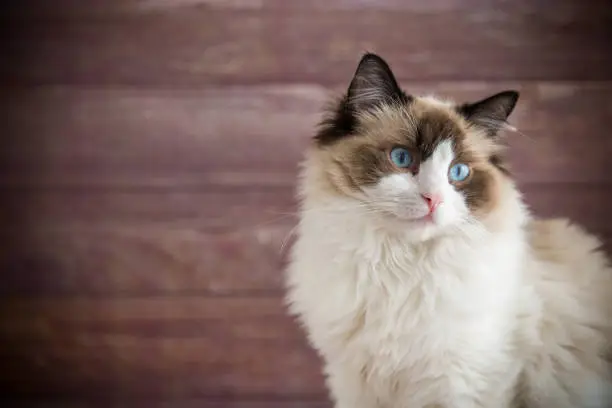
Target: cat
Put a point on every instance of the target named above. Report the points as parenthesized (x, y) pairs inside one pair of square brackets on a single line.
[(421, 277)]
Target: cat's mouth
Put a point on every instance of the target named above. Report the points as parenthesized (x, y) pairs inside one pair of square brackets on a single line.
[(428, 218), (395, 216)]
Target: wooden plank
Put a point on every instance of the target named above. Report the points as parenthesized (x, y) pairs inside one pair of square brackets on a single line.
[(195, 42), (155, 348), (104, 243), (144, 260), (205, 210), (75, 9), (257, 135), (230, 402), (108, 242)]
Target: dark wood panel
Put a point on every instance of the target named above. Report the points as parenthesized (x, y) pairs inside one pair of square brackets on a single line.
[(113, 242), (76, 9), (126, 244), (155, 348), (202, 42), (145, 261), (256, 135), (205, 210), (231, 402)]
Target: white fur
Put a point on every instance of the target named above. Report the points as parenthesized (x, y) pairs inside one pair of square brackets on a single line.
[(400, 195), (413, 314)]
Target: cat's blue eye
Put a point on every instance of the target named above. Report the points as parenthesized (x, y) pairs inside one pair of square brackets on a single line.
[(401, 157), (459, 172)]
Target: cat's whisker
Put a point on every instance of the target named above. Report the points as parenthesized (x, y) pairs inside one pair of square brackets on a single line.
[(269, 222), (287, 238)]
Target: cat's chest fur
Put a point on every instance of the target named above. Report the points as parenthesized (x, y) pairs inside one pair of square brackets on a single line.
[(403, 314)]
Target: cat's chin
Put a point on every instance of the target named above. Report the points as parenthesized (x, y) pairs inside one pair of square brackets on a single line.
[(422, 220), (403, 219), (427, 224)]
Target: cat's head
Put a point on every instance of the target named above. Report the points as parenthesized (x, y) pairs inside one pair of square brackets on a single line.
[(416, 160)]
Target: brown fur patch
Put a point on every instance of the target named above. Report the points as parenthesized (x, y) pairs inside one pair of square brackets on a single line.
[(419, 125)]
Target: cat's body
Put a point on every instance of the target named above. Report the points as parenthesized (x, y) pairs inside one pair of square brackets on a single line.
[(468, 303)]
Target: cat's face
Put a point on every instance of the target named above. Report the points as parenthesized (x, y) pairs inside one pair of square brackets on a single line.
[(417, 160)]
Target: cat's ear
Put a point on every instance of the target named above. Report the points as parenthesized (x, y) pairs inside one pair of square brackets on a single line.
[(491, 113), (373, 85)]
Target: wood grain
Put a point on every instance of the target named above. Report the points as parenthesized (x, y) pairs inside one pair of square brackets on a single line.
[(231, 402), (72, 9), (207, 210), (105, 243), (191, 43), (67, 9), (155, 348), (142, 261), (257, 135)]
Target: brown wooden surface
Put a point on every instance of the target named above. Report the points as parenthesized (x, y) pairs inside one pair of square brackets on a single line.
[(156, 347), (187, 43), (160, 403), (148, 159)]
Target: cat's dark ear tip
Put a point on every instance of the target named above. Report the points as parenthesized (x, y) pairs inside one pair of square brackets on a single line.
[(369, 56), (510, 98), (512, 95)]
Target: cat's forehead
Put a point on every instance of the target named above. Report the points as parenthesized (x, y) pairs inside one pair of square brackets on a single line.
[(434, 127), (422, 124)]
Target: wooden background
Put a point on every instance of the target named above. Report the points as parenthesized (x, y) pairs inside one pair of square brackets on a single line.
[(147, 164)]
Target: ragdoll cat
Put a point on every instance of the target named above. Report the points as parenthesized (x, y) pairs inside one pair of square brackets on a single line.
[(421, 277)]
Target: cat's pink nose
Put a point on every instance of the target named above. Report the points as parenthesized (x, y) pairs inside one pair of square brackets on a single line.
[(432, 200)]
